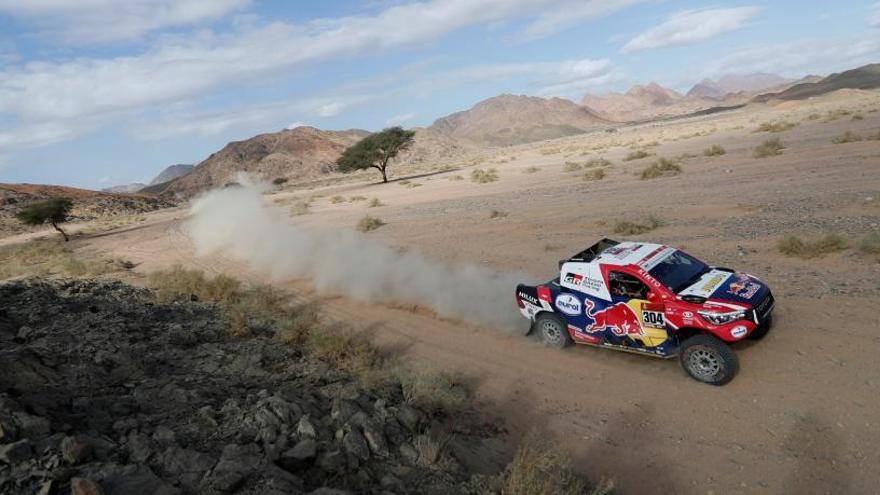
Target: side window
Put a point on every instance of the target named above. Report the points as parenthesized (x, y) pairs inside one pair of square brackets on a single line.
[(625, 285)]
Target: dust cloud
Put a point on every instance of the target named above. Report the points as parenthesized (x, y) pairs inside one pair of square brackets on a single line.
[(237, 222)]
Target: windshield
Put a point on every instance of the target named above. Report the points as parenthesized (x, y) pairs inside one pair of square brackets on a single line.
[(679, 270)]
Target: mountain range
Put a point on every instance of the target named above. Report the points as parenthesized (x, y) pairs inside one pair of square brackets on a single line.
[(306, 152)]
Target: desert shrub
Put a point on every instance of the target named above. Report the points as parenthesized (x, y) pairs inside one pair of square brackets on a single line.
[(660, 168), (770, 147), (551, 247), (430, 449), (540, 467), (858, 116), (497, 214), (795, 246), (279, 181), (179, 282), (597, 162), (343, 348), (814, 116), (456, 177), (337, 199), (550, 151), (846, 137), (870, 244), (375, 203), (627, 227), (714, 150), (369, 223), (636, 155), (531, 170), (571, 166), (432, 391), (833, 115), (481, 176), (778, 126), (43, 258), (594, 174), (355, 199), (300, 208)]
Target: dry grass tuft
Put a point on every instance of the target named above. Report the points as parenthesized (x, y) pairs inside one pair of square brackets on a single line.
[(497, 214), (369, 223), (337, 199), (355, 199), (626, 227), (481, 176), (300, 208), (433, 391), (531, 170), (636, 155), (714, 150), (594, 174), (661, 168), (375, 203), (779, 126), (846, 137), (597, 162), (870, 244), (794, 246), (572, 167), (540, 467), (770, 147), (42, 258)]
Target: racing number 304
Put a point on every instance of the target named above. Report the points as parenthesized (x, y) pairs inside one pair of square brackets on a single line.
[(653, 319)]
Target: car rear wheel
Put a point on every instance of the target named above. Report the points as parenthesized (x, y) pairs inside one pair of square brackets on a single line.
[(553, 331), (708, 360)]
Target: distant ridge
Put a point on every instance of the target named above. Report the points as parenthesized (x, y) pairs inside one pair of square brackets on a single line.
[(865, 77)]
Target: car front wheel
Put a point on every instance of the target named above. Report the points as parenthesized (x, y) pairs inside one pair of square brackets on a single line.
[(552, 331), (708, 360)]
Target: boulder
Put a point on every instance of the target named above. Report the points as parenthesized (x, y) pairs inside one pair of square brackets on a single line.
[(16, 452)]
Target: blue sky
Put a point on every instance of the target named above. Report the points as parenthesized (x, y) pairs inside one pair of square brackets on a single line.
[(95, 93)]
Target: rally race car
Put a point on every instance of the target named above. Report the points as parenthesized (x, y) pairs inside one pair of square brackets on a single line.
[(650, 299)]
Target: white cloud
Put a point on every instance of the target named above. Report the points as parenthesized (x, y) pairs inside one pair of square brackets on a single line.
[(692, 26), (798, 58), (98, 21), (400, 119), (294, 125), (330, 109), (572, 13), (874, 15), (180, 68)]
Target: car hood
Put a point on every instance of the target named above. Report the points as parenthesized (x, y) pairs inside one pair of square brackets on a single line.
[(726, 286)]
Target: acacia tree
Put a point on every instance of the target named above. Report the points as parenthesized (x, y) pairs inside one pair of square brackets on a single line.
[(54, 210), (375, 151)]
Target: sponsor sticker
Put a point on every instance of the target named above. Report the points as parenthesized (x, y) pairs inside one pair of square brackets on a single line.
[(743, 287), (573, 278), (568, 304), (738, 331), (529, 299)]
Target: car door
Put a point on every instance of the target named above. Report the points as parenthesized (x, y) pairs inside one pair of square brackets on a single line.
[(633, 320)]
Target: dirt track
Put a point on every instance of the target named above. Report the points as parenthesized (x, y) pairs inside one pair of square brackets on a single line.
[(802, 416)]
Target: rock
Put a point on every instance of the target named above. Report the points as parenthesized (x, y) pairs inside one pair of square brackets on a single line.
[(409, 453), (342, 409), (85, 486), (13, 453), (410, 417), (31, 426), (140, 447), (305, 428), (236, 463), (332, 462), (375, 438), (329, 491), (8, 429), (75, 449), (355, 444), (135, 479), (164, 435), (186, 466), (299, 457), (47, 488)]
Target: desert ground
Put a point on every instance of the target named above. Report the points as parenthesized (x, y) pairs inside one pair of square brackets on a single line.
[(802, 415)]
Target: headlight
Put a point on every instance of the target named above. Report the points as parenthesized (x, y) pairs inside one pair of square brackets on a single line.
[(722, 318)]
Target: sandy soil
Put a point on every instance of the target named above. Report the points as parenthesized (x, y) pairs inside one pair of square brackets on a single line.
[(801, 417)]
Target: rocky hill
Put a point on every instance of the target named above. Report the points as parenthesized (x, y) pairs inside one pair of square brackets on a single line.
[(105, 390), (643, 103), (865, 77), (737, 83), (294, 154), (87, 205), (171, 173), (510, 119)]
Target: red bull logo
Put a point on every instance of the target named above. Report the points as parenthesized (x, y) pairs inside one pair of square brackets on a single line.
[(619, 318)]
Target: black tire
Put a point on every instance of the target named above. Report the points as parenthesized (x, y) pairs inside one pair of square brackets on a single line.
[(760, 332), (708, 360), (552, 330)]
